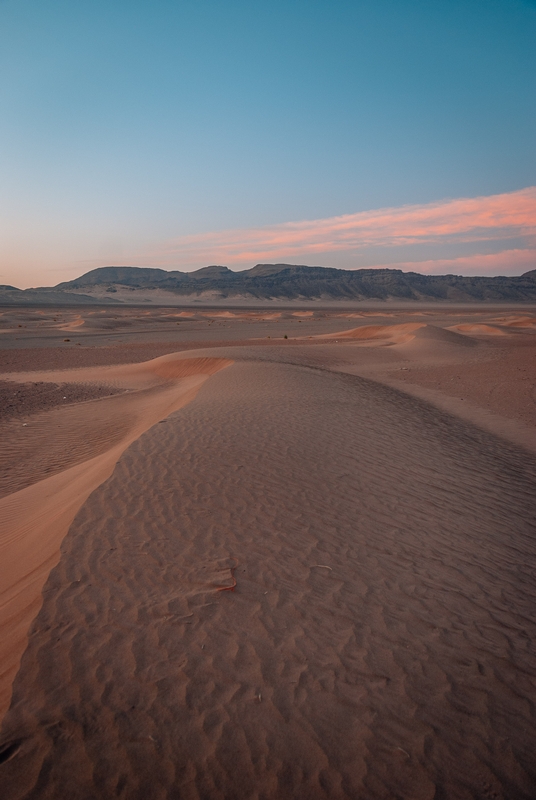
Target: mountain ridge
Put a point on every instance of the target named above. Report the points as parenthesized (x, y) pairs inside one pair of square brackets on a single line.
[(295, 282), (273, 282)]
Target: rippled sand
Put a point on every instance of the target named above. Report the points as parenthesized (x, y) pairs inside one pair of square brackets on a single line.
[(303, 584), (378, 643)]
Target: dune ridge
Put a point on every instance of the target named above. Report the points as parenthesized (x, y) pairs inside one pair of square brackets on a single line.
[(393, 333), (35, 519), (478, 329), (517, 322), (379, 641)]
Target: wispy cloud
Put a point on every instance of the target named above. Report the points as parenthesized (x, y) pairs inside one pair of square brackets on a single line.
[(507, 261), (498, 221)]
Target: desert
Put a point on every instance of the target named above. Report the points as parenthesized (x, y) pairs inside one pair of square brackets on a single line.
[(272, 550), (268, 400)]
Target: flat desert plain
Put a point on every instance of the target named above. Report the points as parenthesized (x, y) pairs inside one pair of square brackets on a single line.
[(268, 553)]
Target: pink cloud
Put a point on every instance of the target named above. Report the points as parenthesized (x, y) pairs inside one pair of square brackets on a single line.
[(478, 219), (507, 262)]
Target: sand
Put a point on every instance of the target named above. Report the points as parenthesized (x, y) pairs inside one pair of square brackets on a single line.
[(395, 334), (35, 519), (305, 581), (478, 329)]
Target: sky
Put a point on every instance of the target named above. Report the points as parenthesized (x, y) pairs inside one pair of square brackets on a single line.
[(370, 133)]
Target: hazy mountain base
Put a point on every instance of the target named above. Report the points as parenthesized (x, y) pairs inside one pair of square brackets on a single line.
[(283, 281), (268, 282), (11, 296)]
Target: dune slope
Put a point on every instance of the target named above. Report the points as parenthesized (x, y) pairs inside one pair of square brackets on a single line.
[(80, 448), (379, 641)]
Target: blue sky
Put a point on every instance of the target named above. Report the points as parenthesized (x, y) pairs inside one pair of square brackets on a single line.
[(128, 126)]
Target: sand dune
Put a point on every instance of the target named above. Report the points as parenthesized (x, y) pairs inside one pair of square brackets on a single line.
[(78, 322), (434, 345), (129, 376), (35, 519), (517, 322), (477, 329), (60, 438), (301, 584), (399, 334), (378, 643), (364, 314), (251, 315), (391, 334)]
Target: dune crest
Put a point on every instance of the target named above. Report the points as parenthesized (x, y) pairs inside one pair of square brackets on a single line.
[(391, 334), (478, 329), (35, 520), (516, 322)]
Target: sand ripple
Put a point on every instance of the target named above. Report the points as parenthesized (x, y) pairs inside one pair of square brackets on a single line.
[(380, 639)]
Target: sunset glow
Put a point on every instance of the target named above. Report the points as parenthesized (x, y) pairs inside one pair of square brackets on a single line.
[(346, 134), (490, 221)]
